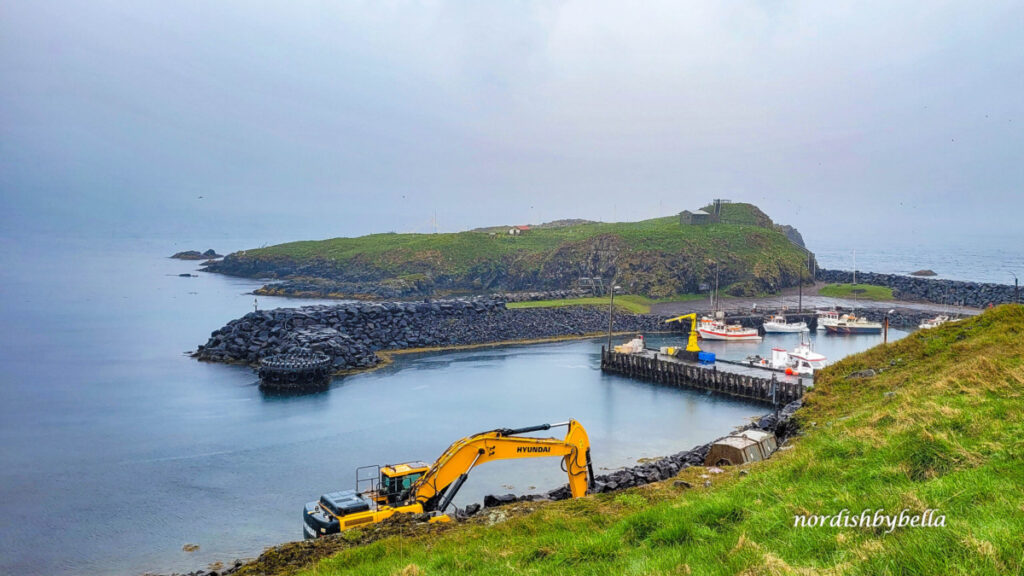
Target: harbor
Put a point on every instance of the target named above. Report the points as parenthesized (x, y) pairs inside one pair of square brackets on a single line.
[(729, 378)]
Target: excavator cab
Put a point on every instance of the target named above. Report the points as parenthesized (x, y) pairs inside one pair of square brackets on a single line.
[(396, 481)]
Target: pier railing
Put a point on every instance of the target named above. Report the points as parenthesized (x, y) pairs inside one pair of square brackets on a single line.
[(683, 375)]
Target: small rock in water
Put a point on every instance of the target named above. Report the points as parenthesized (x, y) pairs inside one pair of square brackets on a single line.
[(924, 272), (190, 547)]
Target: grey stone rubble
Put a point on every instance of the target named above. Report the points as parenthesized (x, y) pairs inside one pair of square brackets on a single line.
[(952, 292), (225, 571), (781, 425), (352, 333)]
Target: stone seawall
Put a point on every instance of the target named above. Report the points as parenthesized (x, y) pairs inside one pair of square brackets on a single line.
[(352, 333), (952, 292)]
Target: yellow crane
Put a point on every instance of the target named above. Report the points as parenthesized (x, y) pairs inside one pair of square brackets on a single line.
[(692, 349), (416, 488)]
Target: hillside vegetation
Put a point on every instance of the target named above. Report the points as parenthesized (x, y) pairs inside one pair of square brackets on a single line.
[(654, 258), (862, 291), (940, 426)]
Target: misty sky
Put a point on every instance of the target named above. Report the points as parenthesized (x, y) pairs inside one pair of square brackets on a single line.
[(300, 120)]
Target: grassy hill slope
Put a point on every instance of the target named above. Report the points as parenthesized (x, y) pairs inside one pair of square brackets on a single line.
[(655, 258), (941, 426)]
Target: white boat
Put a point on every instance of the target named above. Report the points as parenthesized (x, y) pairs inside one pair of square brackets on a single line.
[(826, 317), (804, 360), (852, 324), (712, 329), (934, 322), (801, 361), (777, 325)]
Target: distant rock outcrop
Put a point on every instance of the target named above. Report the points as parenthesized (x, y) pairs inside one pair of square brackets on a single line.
[(197, 255)]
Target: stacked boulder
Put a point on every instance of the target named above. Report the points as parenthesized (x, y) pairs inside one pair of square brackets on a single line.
[(953, 292), (351, 333)]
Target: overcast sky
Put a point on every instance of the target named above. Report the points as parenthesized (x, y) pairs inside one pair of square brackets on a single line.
[(294, 120)]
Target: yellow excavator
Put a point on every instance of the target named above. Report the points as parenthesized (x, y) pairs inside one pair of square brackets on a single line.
[(418, 488), (692, 351)]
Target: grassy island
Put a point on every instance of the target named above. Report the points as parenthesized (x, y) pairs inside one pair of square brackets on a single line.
[(655, 258)]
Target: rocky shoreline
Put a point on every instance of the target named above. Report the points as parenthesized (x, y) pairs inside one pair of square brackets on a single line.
[(913, 288)]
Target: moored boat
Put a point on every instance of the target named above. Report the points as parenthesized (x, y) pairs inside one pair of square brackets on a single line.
[(805, 360), (852, 324), (712, 329), (778, 325), (826, 317), (934, 322)]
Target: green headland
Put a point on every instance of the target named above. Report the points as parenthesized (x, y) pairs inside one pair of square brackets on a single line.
[(654, 258)]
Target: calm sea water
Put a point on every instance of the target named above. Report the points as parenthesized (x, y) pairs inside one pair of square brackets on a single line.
[(117, 449), (973, 262)]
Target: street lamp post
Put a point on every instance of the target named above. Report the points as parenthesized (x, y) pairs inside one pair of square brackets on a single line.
[(1016, 289), (885, 336), (611, 315)]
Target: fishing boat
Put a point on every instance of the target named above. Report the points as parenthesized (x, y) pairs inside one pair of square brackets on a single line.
[(802, 361), (852, 324), (777, 325), (934, 322), (826, 317), (712, 329), (805, 360)]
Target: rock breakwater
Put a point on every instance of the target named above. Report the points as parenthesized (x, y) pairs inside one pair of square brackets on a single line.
[(952, 292), (352, 333), (390, 290)]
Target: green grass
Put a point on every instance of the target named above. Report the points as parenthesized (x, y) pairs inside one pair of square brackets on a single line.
[(940, 427), (657, 257), (862, 291), (633, 303)]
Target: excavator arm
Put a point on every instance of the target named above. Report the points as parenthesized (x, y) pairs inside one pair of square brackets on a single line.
[(438, 486)]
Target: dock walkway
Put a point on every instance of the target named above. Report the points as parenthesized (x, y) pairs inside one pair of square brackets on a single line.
[(732, 380)]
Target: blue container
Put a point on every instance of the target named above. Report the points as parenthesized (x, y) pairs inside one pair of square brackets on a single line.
[(706, 357)]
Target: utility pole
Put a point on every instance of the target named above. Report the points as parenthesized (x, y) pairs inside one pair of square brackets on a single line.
[(1016, 289), (854, 266), (800, 305), (611, 314)]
